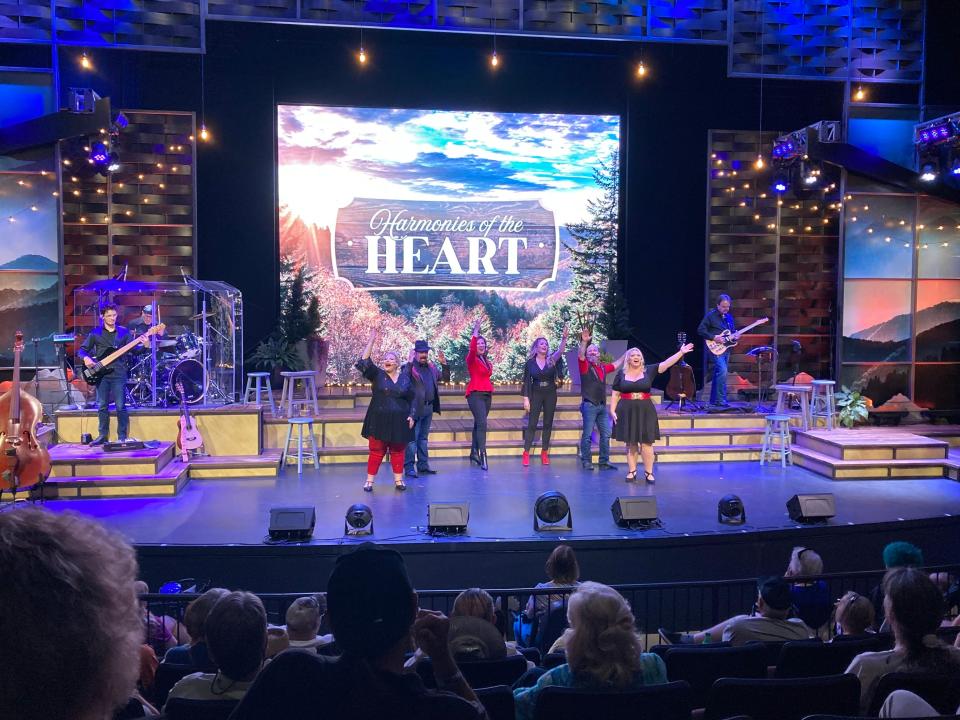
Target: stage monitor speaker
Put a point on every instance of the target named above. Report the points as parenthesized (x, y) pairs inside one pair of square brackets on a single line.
[(292, 523), (812, 507), (633, 511), (447, 518)]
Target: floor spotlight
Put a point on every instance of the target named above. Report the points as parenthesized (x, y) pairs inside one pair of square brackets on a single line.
[(730, 510), (552, 512), (358, 520), (928, 172)]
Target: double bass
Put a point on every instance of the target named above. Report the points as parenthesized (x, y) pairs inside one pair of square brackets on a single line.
[(23, 461), (682, 384)]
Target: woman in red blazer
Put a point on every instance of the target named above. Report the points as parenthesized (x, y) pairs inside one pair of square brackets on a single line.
[(479, 394)]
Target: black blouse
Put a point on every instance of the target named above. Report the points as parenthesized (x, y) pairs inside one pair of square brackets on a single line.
[(534, 376), (621, 384), (392, 403)]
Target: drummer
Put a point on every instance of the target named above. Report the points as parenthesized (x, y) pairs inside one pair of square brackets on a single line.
[(143, 323)]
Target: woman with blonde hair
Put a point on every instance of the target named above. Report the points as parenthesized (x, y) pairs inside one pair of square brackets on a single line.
[(540, 379), (854, 614), (633, 413), (603, 650)]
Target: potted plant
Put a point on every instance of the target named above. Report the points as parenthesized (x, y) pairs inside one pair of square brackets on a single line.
[(275, 355), (852, 405)]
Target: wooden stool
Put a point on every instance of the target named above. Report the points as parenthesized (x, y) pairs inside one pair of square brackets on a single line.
[(803, 395), (257, 382), (288, 395), (300, 423), (777, 426), (821, 403)]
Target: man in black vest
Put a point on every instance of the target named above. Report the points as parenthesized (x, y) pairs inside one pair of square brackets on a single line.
[(593, 404), (713, 324), (425, 376)]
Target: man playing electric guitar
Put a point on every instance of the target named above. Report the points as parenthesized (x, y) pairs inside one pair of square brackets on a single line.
[(714, 323), (102, 341)]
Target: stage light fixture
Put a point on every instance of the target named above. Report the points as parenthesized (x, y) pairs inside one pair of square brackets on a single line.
[(113, 163), (552, 512), (928, 172), (99, 154), (121, 121), (781, 182), (955, 167), (810, 174), (447, 518), (358, 520), (730, 510)]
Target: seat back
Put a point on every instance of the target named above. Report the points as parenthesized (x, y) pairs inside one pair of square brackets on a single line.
[(551, 627), (771, 648), (783, 699), (701, 665), (805, 658), (552, 660), (182, 709), (498, 701), (480, 673), (669, 701), (941, 691), (168, 675), (531, 654)]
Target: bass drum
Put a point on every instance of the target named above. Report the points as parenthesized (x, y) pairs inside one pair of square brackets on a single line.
[(190, 374)]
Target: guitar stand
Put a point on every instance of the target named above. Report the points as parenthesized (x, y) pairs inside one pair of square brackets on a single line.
[(759, 407), (692, 405)]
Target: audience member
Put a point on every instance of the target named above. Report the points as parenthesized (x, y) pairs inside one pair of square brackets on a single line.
[(277, 640), (914, 608), (603, 649), (195, 653), (372, 610), (563, 571), (906, 704), (236, 629), (71, 627), (159, 631), (303, 624), (811, 598), (854, 615), (895, 554), (770, 621)]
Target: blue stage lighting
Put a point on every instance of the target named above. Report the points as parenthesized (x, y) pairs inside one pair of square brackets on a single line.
[(99, 153), (928, 172), (955, 167), (781, 183)]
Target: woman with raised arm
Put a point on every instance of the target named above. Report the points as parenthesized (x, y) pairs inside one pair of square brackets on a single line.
[(388, 424), (633, 413), (540, 377), (479, 394)]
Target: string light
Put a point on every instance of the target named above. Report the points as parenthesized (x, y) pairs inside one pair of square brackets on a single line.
[(759, 164), (494, 60), (859, 94), (85, 62), (641, 70), (204, 133), (362, 56)]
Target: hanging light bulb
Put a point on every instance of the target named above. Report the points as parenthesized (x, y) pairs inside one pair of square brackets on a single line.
[(759, 164), (859, 94), (204, 133), (362, 56), (494, 60), (85, 62), (641, 70)]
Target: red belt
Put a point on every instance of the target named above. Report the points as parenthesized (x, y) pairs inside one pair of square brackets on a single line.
[(634, 396)]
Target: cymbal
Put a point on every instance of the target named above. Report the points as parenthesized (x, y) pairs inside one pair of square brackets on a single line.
[(201, 315)]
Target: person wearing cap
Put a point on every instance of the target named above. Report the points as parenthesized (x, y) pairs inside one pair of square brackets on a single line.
[(143, 323), (424, 376), (770, 620), (373, 611)]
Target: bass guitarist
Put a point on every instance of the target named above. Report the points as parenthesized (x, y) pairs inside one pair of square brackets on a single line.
[(714, 323), (102, 341)]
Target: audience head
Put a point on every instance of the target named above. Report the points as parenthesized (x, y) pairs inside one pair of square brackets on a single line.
[(303, 618), (902, 554), (277, 640), (773, 597), (854, 614), (474, 603), (914, 607), (602, 640), (562, 566), (804, 562), (195, 616), (75, 625), (237, 635), (370, 601), (141, 588)]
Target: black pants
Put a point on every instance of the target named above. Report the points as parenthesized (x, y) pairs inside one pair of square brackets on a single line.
[(111, 388), (541, 399), (479, 403)]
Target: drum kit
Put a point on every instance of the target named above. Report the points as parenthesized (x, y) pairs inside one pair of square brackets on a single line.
[(179, 360)]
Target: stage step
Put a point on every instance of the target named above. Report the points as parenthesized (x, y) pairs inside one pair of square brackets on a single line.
[(450, 398), (951, 466), (166, 482), (76, 460), (871, 444), (868, 469), (267, 464)]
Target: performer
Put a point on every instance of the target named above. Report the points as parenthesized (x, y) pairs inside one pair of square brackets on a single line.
[(715, 322), (634, 414), (424, 376), (388, 424), (593, 405), (540, 376), (479, 394), (102, 341), (142, 323)]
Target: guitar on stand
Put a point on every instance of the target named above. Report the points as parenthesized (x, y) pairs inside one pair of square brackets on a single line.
[(94, 374), (682, 384), (188, 437), (731, 338), (24, 462)]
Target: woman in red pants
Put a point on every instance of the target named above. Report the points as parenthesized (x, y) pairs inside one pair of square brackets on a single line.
[(388, 424)]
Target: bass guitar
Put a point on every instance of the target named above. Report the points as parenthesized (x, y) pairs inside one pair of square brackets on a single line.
[(188, 437), (23, 461), (730, 338), (94, 374), (682, 384)]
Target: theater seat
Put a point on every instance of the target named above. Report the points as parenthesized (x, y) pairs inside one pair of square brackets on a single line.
[(498, 701), (941, 691), (783, 699), (806, 658), (168, 675), (182, 709), (480, 673), (701, 665), (669, 701)]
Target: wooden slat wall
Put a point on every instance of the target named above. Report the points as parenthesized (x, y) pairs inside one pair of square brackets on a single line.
[(142, 216), (776, 257)]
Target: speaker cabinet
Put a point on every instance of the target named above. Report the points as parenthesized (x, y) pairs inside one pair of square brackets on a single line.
[(813, 507), (631, 511), (292, 523)]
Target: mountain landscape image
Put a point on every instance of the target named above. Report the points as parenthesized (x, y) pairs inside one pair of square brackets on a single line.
[(889, 341)]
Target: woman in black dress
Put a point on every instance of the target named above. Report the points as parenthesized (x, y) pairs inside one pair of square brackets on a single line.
[(633, 413), (388, 424), (540, 394)]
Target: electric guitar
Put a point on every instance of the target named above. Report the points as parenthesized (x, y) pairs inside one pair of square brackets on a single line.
[(730, 338), (188, 437), (94, 374)]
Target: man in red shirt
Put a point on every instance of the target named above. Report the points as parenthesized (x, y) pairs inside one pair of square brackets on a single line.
[(593, 405)]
